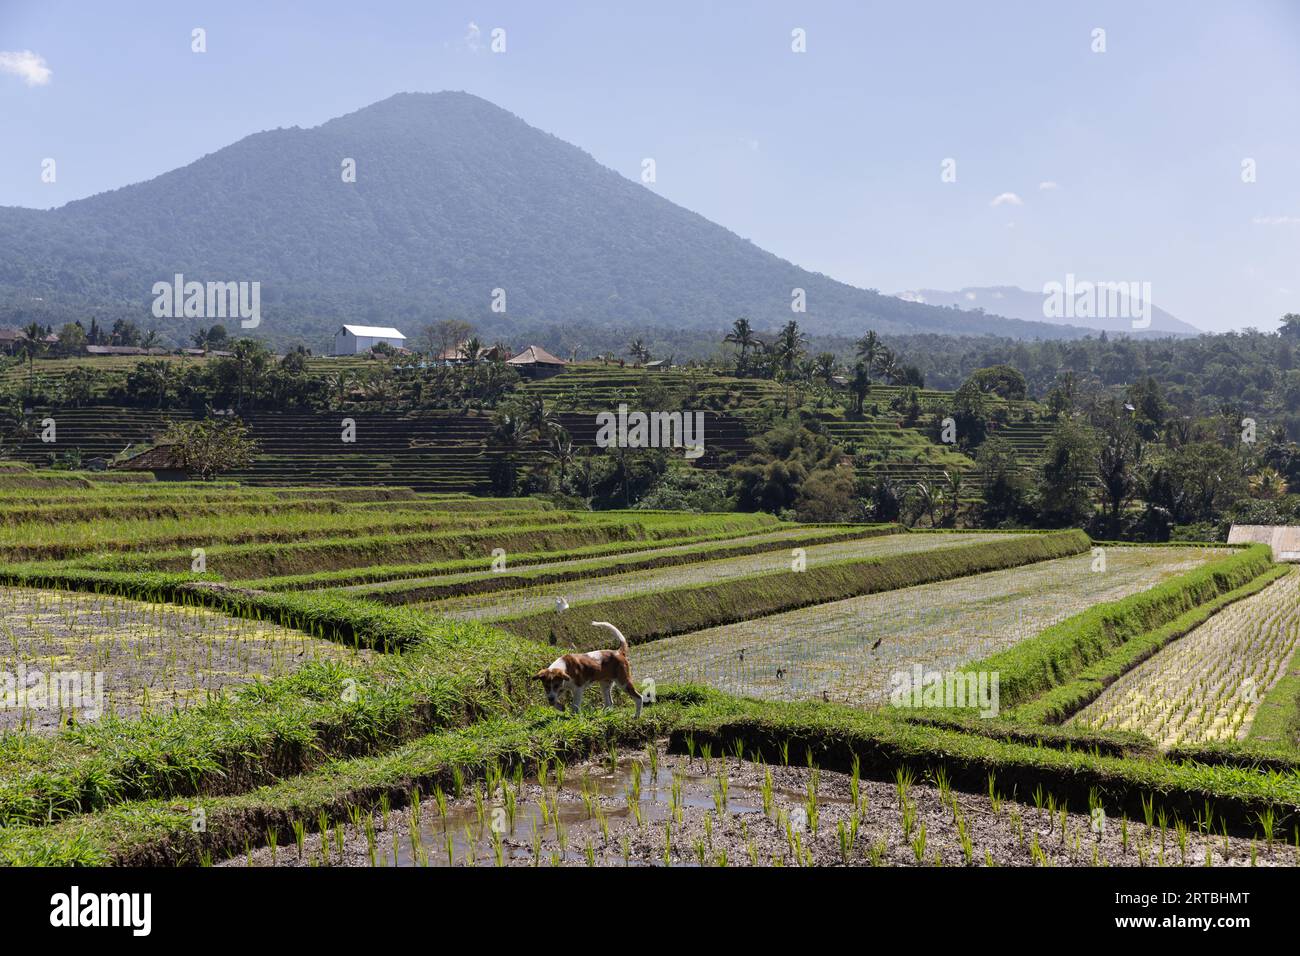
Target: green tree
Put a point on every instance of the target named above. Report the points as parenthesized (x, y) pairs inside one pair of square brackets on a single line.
[(207, 447), (1066, 474)]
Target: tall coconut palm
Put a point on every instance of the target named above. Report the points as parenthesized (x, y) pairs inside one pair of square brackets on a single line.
[(869, 349), (859, 386), (639, 352), (741, 334), (824, 367)]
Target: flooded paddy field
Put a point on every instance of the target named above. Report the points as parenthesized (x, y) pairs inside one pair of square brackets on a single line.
[(703, 571), (847, 651), (653, 808), (130, 658)]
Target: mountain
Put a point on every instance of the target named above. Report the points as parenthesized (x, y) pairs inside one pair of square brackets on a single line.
[(453, 198), (1016, 303)]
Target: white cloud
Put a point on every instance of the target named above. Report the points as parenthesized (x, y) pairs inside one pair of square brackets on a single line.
[(1007, 199), (971, 296), (1048, 184), (1276, 220), (30, 67)]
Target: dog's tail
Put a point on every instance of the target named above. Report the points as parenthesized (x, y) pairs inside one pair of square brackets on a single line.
[(622, 641)]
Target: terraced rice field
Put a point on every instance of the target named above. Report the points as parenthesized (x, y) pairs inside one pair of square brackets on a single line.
[(775, 539), (1207, 685), (150, 657), (826, 651), (492, 606)]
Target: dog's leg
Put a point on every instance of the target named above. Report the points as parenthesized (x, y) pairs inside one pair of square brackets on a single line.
[(631, 692), (577, 699), (609, 698)]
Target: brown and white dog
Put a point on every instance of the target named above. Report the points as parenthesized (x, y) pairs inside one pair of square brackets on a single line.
[(577, 671)]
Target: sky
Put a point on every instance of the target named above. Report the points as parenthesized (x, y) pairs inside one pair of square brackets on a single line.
[(1165, 149)]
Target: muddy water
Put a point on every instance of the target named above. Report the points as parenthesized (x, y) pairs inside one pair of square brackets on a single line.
[(626, 814), (611, 795)]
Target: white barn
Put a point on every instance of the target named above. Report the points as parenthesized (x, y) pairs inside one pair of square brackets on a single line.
[(355, 339)]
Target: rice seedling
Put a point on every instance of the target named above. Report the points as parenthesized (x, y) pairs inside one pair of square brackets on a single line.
[(1207, 685), (826, 648), (918, 843), (1267, 821), (811, 807), (964, 838)]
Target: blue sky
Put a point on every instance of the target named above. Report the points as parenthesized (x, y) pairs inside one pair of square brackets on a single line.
[(831, 158)]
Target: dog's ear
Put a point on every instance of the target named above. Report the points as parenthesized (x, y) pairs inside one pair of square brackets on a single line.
[(541, 674)]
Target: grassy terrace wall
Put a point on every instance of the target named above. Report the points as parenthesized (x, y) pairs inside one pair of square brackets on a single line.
[(648, 617), (262, 560), (1062, 652), (401, 592)]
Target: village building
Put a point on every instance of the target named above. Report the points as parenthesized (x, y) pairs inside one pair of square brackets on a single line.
[(162, 460), (359, 339), (536, 362)]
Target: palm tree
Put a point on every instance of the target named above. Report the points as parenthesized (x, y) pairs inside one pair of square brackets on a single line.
[(931, 499), (956, 479), (1268, 483), (472, 349), (788, 348), (824, 367), (887, 364), (743, 335), (860, 386), (560, 451), (32, 344), (869, 349), (540, 421), (151, 339), (637, 349)]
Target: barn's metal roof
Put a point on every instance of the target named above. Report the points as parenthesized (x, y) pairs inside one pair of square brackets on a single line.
[(374, 331)]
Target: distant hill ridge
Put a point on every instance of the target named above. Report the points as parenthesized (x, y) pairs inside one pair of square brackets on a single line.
[(1018, 303), (454, 198)]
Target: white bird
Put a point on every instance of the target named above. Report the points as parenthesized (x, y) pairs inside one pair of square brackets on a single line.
[(561, 604)]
